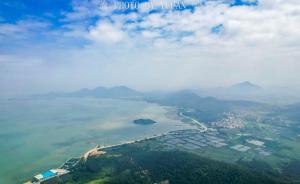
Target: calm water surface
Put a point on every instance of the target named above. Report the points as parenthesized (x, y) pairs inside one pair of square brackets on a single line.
[(36, 135)]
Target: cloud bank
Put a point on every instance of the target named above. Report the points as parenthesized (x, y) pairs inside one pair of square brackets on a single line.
[(196, 44)]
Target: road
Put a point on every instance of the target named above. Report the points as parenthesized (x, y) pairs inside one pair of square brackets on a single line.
[(200, 125)]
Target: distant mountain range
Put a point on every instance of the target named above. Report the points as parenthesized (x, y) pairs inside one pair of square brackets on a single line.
[(242, 91), (249, 91), (99, 92), (207, 107), (245, 87)]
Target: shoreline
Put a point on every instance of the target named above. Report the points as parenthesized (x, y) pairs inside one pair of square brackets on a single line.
[(98, 149), (86, 154), (199, 125)]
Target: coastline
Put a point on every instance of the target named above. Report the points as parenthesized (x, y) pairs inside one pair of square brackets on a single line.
[(98, 149)]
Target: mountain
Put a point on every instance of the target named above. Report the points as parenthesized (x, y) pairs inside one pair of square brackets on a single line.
[(102, 92), (189, 99), (240, 91), (245, 86), (205, 108), (99, 92)]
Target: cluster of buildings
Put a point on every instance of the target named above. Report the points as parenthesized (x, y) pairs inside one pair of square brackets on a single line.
[(230, 121)]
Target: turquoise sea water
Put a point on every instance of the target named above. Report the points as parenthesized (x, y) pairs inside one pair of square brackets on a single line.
[(37, 135)]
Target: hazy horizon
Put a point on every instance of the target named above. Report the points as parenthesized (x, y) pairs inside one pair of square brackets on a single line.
[(77, 44)]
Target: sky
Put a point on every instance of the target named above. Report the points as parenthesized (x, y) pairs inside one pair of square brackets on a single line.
[(63, 45)]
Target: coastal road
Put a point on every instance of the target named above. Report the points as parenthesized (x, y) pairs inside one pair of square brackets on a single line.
[(200, 125)]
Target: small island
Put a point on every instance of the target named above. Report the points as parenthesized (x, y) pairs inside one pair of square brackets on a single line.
[(144, 122)]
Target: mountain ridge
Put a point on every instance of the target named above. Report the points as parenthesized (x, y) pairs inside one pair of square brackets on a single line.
[(246, 85), (99, 92)]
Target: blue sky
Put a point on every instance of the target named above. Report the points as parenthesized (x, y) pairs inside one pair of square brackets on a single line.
[(56, 15), (68, 44), (14, 10)]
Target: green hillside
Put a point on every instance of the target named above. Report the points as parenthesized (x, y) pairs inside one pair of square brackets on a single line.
[(138, 164)]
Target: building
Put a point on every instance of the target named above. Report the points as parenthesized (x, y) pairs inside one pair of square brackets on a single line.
[(53, 176)]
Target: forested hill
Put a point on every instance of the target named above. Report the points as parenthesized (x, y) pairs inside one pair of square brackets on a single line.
[(139, 165)]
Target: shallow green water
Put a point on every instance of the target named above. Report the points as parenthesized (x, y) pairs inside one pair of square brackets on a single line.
[(36, 135)]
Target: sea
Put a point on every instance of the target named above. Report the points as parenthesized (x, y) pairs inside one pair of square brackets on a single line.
[(38, 134)]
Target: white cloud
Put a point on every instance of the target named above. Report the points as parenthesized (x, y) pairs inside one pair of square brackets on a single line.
[(150, 34), (106, 32), (271, 21), (21, 29), (170, 49), (179, 46)]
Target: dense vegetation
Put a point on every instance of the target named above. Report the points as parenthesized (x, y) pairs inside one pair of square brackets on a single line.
[(144, 122), (135, 164)]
